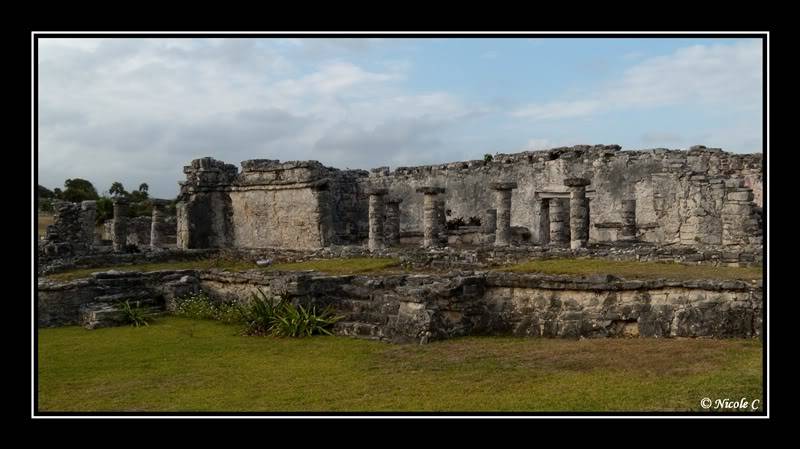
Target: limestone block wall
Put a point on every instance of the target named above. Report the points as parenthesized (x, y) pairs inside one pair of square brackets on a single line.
[(679, 194), (420, 307), (72, 231)]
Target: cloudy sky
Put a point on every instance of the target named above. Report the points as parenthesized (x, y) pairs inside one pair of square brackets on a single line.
[(138, 110)]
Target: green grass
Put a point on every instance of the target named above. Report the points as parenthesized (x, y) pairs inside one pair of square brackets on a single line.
[(43, 219), (634, 269), (179, 364), (340, 266), (329, 266), (231, 265)]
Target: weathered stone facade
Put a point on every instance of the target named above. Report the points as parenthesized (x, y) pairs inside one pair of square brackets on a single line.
[(72, 231), (424, 307), (696, 197)]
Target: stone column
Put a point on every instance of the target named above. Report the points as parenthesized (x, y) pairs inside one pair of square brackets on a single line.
[(182, 225), (502, 201), (88, 217), (489, 225), (578, 212), (376, 218), (120, 237), (429, 226), (559, 233), (156, 227), (392, 225), (441, 221), (628, 231), (544, 221)]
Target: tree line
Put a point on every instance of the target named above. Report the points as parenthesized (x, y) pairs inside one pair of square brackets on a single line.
[(77, 190)]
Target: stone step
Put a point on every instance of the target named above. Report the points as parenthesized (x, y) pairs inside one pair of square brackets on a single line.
[(358, 329)]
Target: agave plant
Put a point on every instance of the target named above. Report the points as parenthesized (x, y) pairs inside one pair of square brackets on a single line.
[(134, 315)]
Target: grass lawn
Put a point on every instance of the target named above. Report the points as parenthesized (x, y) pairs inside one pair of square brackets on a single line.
[(329, 266), (635, 269), (42, 221), (179, 364)]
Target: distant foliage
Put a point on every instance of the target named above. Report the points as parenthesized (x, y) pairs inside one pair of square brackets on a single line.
[(46, 204), (43, 192), (488, 157), (455, 223), (105, 210), (77, 190)]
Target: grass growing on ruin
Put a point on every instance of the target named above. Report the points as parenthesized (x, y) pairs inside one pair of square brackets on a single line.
[(634, 269), (179, 364), (339, 266), (329, 266)]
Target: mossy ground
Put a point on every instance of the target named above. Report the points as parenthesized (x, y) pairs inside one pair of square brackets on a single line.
[(329, 266), (634, 269), (180, 364)]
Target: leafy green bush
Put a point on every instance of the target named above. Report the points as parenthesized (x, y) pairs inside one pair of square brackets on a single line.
[(487, 157), (261, 313), (134, 315)]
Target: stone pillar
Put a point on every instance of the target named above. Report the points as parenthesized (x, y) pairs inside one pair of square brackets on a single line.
[(156, 227), (628, 231), (392, 224), (441, 221), (182, 225), (489, 225), (578, 212), (120, 237), (502, 201), (376, 217), (88, 217), (740, 224), (429, 224), (544, 221), (559, 234)]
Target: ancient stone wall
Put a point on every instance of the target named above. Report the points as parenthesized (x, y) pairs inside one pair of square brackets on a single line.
[(423, 307), (301, 205), (72, 231), (679, 195)]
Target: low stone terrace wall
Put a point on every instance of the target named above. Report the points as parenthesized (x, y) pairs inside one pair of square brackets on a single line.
[(424, 307)]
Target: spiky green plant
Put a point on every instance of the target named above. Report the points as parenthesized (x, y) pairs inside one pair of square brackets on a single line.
[(134, 315)]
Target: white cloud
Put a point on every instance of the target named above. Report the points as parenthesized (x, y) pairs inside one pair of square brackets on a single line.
[(137, 110), (719, 75)]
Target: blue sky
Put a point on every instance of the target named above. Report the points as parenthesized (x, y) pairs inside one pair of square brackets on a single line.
[(137, 110)]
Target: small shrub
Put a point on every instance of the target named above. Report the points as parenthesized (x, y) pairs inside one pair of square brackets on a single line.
[(134, 315), (297, 321), (487, 157), (261, 313), (200, 306), (473, 221)]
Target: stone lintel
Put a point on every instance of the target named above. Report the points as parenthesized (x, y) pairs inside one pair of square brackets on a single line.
[(577, 182), (393, 200), (430, 190), (380, 191), (503, 185)]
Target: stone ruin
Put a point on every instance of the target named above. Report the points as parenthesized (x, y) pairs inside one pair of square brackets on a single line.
[(570, 197), (699, 206)]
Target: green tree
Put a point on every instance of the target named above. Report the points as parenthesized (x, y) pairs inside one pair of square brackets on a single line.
[(43, 192), (143, 187), (117, 189), (77, 190), (57, 193), (105, 210)]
